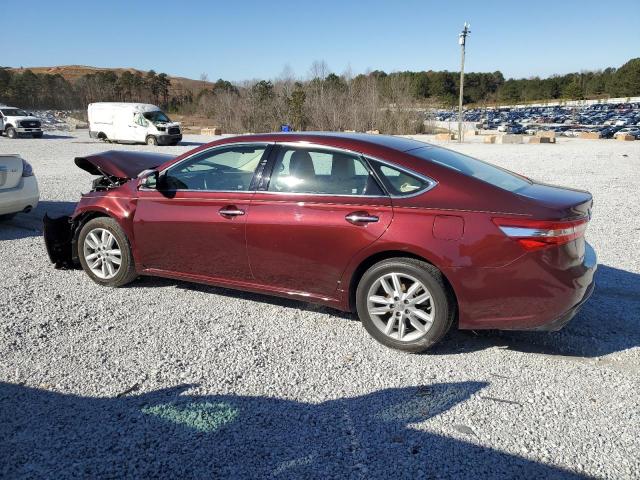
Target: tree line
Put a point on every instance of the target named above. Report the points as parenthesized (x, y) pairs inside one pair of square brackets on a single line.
[(389, 102)]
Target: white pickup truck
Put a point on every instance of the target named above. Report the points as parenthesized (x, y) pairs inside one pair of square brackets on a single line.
[(15, 122)]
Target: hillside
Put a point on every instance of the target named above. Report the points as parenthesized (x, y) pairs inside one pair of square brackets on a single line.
[(73, 72)]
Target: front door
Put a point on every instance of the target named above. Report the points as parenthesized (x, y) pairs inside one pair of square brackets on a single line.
[(320, 208), (193, 222)]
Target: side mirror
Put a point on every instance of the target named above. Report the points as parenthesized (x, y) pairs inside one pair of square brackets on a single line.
[(148, 179)]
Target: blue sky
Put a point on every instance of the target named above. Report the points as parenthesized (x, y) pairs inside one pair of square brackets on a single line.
[(239, 40)]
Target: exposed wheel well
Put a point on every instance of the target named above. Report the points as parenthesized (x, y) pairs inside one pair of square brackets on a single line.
[(77, 226), (378, 257)]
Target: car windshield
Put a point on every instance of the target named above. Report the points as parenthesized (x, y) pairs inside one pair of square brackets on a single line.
[(472, 167), (156, 117), (14, 112)]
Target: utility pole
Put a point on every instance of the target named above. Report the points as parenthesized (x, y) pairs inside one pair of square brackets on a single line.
[(462, 40)]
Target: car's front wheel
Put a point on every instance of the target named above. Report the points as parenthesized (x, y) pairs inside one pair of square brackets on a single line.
[(105, 253), (11, 132), (151, 140), (404, 304)]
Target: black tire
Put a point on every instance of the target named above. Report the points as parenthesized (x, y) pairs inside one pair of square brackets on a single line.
[(432, 279), (37, 135), (11, 132), (151, 140), (126, 273)]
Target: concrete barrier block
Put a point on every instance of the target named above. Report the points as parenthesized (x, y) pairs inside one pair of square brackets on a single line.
[(211, 131), (590, 135), (625, 137), (489, 139), (445, 136)]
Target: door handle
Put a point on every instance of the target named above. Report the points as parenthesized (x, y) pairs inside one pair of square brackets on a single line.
[(230, 211), (361, 217)]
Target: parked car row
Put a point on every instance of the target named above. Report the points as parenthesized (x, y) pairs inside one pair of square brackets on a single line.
[(606, 119)]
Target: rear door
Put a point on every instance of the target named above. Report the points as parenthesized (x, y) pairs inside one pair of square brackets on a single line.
[(193, 222), (319, 208)]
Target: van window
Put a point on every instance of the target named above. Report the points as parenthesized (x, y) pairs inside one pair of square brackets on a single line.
[(141, 121), (156, 117)]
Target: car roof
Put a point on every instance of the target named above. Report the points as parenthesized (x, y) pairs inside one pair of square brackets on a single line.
[(401, 144)]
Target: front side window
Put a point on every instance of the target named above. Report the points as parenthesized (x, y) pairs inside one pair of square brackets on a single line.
[(318, 171), (399, 182), (221, 169)]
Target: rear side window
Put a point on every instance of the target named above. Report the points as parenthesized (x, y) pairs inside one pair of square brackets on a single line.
[(472, 167), (399, 182), (302, 170)]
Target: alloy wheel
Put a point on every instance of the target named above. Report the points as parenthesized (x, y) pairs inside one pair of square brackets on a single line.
[(400, 306), (102, 253)]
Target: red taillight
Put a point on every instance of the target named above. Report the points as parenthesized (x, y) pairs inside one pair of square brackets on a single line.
[(535, 234)]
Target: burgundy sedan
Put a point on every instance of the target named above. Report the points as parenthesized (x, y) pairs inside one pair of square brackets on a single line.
[(411, 236)]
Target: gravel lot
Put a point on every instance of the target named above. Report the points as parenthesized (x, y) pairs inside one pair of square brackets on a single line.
[(168, 379)]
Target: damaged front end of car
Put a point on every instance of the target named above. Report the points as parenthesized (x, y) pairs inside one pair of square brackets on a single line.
[(112, 169)]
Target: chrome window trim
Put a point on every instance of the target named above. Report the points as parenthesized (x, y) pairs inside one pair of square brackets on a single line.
[(431, 183)]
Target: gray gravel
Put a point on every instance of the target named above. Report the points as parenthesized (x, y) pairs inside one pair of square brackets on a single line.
[(169, 379)]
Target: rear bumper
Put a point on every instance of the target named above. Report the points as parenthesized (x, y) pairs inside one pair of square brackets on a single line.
[(562, 320), (24, 196), (542, 291)]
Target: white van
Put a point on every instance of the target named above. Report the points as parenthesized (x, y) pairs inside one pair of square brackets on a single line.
[(132, 123)]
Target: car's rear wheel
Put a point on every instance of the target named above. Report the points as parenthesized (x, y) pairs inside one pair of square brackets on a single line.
[(404, 304), (105, 253)]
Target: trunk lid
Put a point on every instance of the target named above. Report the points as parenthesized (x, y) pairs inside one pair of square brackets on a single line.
[(121, 164), (10, 171), (560, 202)]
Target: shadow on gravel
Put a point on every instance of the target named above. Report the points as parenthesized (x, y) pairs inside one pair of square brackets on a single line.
[(170, 434), (25, 225), (56, 136), (609, 322), (191, 144)]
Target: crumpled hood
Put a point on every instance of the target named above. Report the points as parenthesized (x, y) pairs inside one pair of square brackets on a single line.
[(121, 164)]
